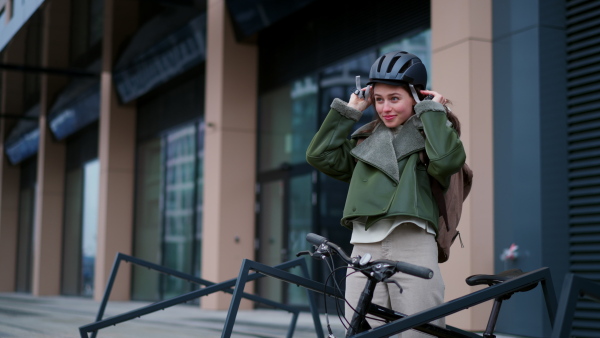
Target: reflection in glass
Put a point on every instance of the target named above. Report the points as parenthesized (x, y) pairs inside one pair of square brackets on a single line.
[(147, 239), (287, 124), (179, 226), (25, 239), (418, 44), (71, 267), (89, 236), (168, 226), (300, 225), (271, 236)]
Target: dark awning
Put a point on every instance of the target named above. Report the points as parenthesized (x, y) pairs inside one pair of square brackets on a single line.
[(77, 106), (163, 48), (23, 140), (252, 16)]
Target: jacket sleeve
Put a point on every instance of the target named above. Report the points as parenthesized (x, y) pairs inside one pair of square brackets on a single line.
[(442, 144), (329, 150)]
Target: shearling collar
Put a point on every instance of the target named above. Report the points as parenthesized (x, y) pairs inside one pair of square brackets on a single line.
[(383, 151)]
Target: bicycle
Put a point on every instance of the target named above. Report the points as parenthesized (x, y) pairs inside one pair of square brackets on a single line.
[(380, 270)]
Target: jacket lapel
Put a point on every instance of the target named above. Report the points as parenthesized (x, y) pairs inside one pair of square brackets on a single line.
[(383, 151), (409, 139)]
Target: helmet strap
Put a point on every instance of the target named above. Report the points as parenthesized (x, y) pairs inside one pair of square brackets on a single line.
[(414, 93)]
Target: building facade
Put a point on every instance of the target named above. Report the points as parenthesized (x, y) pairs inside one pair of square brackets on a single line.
[(175, 131)]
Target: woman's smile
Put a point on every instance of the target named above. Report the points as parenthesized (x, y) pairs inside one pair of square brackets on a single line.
[(393, 104)]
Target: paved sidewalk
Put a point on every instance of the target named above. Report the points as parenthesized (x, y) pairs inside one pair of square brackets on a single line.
[(23, 315)]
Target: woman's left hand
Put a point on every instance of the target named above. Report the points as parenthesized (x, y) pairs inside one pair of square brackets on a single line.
[(437, 97)]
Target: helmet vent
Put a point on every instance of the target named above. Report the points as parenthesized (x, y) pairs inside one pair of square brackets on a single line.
[(392, 63), (405, 66)]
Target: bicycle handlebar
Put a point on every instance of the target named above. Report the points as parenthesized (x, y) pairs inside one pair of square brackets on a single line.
[(315, 239), (411, 269)]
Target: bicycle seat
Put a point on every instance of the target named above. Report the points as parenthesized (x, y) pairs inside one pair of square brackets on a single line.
[(498, 278)]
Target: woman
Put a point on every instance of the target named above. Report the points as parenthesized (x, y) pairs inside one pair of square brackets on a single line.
[(388, 163)]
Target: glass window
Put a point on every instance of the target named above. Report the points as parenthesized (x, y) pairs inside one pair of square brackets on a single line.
[(179, 226), (89, 240), (168, 232), (169, 182), (80, 213), (287, 123), (147, 239), (80, 229), (418, 44), (26, 225), (86, 30), (71, 266)]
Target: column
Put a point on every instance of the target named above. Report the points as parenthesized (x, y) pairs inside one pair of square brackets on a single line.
[(462, 71), (230, 153), (49, 201), (117, 156)]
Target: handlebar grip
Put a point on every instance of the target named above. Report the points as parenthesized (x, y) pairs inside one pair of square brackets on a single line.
[(315, 239), (415, 270)]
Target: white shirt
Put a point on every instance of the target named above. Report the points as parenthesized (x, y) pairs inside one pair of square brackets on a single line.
[(382, 228)]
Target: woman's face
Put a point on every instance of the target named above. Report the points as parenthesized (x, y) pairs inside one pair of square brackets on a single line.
[(393, 104)]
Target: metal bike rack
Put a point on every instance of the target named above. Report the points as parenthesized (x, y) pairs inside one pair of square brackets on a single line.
[(244, 277), (210, 287), (541, 276), (574, 287)]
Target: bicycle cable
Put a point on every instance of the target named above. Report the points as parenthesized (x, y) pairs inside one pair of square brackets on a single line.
[(331, 275)]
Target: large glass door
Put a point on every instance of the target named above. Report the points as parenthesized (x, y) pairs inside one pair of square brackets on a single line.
[(80, 229), (168, 216), (26, 225), (285, 218)]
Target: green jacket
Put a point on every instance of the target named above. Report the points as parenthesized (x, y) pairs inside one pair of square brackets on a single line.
[(386, 175)]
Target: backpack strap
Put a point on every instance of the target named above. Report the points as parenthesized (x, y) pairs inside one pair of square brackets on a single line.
[(438, 195), (436, 190)]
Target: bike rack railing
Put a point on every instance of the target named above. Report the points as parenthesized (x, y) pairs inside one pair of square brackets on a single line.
[(573, 288), (245, 276), (541, 276), (210, 287)]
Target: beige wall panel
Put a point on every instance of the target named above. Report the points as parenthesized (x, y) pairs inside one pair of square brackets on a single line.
[(114, 231), (115, 213), (117, 156), (459, 20), (48, 241), (462, 71), (230, 154), (51, 156)]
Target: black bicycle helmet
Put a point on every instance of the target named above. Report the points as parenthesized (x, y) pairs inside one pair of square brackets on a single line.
[(395, 67)]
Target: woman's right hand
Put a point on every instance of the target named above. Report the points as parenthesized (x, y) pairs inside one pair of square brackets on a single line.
[(358, 103)]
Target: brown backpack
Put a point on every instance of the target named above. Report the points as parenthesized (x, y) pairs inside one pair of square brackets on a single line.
[(450, 207)]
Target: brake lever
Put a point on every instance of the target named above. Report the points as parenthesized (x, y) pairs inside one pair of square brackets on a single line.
[(302, 253), (397, 284), (318, 254)]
